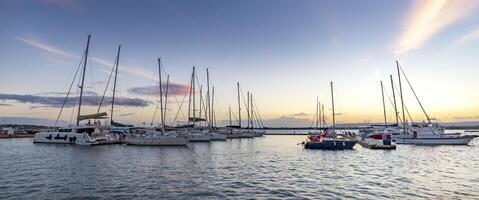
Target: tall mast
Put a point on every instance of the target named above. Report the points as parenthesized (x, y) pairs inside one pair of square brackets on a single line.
[(317, 112), (166, 99), (252, 110), (239, 105), (201, 103), (161, 97), (332, 103), (319, 115), (83, 79), (323, 119), (212, 111), (384, 105), (189, 99), (402, 99), (193, 81), (248, 108), (208, 97), (394, 98), (114, 84)]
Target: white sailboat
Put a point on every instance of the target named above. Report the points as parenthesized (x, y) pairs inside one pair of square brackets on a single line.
[(427, 133), (161, 137), (380, 137), (195, 134), (89, 134)]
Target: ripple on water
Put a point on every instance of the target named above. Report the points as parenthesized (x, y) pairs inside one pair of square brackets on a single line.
[(269, 167)]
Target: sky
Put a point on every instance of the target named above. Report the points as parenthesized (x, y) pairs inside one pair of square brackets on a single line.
[(285, 52)]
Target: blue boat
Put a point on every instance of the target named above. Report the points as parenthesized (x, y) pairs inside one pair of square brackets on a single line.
[(328, 139), (333, 144)]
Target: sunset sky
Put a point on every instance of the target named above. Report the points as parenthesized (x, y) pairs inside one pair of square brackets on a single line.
[(284, 51)]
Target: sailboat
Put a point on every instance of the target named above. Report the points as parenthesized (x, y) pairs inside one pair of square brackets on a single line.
[(79, 134), (426, 133), (378, 138), (213, 131), (153, 137), (242, 133), (317, 120), (194, 133), (329, 140), (230, 131)]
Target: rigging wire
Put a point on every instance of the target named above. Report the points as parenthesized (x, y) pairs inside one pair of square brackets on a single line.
[(69, 90)]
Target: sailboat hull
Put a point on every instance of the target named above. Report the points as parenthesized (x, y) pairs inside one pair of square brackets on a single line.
[(246, 135), (331, 145), (63, 138), (218, 137), (167, 141), (200, 138), (458, 140)]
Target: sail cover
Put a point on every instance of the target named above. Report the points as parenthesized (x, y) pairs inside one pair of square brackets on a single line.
[(101, 115)]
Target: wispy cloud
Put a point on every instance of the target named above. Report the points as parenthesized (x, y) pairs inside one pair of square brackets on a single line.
[(301, 114), (428, 17), (60, 53), (46, 47), (57, 101), (126, 114), (173, 89), (468, 37)]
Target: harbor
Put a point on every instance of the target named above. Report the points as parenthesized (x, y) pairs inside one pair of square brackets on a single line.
[(239, 99)]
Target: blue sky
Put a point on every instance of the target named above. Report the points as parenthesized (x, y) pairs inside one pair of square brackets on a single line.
[(286, 52)]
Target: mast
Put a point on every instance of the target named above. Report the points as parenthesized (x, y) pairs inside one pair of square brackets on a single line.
[(319, 115), (323, 119), (384, 105), (239, 105), (332, 103), (83, 79), (402, 99), (248, 108), (201, 103), (213, 115), (161, 97), (317, 112), (189, 99), (208, 98), (166, 99), (193, 81), (394, 98), (114, 84), (252, 111)]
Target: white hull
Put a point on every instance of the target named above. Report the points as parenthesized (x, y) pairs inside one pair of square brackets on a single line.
[(258, 133), (160, 141), (459, 140), (63, 138), (200, 137), (246, 135), (218, 136)]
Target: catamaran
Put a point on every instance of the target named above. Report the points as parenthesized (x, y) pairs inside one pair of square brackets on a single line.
[(82, 134)]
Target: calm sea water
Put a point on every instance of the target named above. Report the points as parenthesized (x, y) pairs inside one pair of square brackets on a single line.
[(267, 167)]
